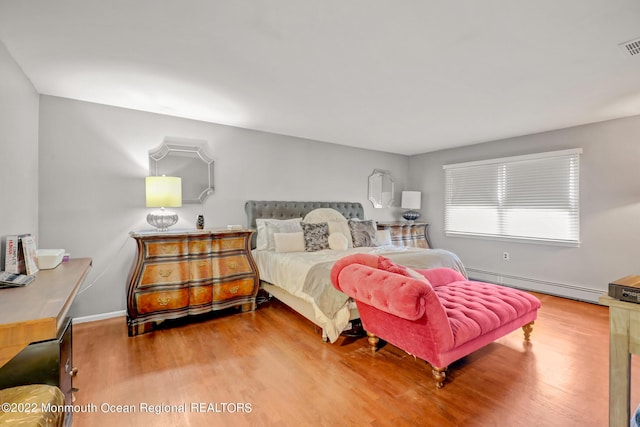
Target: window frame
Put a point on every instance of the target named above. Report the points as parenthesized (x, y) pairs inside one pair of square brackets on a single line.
[(499, 213)]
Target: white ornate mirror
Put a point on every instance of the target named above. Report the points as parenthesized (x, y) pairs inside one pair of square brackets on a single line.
[(188, 162), (381, 189)]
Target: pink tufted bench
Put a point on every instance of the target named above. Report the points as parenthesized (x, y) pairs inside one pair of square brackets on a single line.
[(436, 314)]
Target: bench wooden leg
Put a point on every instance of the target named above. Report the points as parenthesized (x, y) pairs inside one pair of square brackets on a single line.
[(528, 328), (439, 374), (373, 341)]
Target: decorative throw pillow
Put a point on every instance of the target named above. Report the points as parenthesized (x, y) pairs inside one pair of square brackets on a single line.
[(338, 242), (363, 233), (341, 227), (289, 242), (316, 236), (387, 265)]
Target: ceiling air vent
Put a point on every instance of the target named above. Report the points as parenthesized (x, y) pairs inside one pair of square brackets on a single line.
[(631, 48)]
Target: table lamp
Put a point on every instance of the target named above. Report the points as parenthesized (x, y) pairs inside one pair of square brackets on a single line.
[(410, 201), (163, 192)]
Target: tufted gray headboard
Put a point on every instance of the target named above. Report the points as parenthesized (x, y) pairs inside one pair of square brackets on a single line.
[(286, 210)]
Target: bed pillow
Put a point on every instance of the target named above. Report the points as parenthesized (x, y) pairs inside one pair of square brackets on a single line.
[(337, 222), (338, 241), (341, 228), (289, 242), (383, 237), (264, 240), (324, 215), (316, 236), (363, 233)]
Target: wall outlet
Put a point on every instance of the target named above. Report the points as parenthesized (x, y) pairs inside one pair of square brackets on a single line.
[(505, 256)]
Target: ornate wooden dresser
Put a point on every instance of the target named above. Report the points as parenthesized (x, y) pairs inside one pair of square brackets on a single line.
[(181, 273), (403, 233)]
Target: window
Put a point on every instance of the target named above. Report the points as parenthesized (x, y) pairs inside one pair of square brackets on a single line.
[(532, 198)]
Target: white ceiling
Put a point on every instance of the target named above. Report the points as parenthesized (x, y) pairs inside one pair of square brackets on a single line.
[(406, 76)]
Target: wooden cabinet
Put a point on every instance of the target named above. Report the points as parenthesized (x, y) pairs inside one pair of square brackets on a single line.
[(411, 234), (624, 340), (177, 274), (36, 332)]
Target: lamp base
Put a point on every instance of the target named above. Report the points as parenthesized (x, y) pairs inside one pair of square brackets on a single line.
[(162, 219), (410, 215)]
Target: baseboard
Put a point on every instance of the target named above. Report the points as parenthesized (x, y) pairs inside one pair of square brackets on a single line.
[(551, 288), (103, 316)]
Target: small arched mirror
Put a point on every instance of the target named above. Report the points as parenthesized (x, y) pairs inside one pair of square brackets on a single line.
[(189, 162), (381, 189)]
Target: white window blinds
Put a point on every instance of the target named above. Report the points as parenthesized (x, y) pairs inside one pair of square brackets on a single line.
[(533, 197)]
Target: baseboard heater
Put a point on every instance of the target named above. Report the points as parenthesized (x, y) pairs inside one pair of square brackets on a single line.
[(579, 293)]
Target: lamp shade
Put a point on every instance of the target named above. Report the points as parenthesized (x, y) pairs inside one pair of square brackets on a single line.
[(411, 200), (164, 191)]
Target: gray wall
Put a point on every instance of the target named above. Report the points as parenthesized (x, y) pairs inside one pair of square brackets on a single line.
[(18, 151), (93, 164), (610, 212), (81, 188)]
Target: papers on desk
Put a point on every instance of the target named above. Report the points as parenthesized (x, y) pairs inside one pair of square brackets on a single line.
[(14, 280)]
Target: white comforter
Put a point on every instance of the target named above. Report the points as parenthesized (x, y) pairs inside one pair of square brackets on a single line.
[(289, 270)]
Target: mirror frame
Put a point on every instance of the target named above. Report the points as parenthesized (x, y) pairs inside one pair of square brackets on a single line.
[(376, 199), (166, 149)]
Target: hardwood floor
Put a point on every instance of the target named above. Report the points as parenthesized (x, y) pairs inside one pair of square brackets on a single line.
[(270, 368)]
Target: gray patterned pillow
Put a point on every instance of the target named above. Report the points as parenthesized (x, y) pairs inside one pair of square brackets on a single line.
[(363, 233), (316, 236)]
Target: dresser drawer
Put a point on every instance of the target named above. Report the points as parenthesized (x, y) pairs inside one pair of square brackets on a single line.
[(200, 269), (159, 249), (226, 244), (199, 295), (199, 246), (149, 302), (164, 273), (230, 265), (235, 288)]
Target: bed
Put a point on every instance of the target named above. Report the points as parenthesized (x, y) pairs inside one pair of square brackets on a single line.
[(300, 278)]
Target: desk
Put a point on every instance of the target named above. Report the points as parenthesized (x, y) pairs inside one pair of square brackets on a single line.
[(37, 311), (624, 330)]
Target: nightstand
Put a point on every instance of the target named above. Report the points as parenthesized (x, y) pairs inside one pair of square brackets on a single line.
[(180, 273), (404, 233)]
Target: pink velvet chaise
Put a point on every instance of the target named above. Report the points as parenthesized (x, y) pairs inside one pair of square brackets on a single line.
[(436, 315)]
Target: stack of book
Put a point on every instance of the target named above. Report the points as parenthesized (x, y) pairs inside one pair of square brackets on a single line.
[(20, 260)]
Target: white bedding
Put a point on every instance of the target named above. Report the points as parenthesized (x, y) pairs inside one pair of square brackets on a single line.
[(289, 270)]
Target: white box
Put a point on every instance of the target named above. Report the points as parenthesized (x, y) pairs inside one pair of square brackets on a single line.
[(49, 258)]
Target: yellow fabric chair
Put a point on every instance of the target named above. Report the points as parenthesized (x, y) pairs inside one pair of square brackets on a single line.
[(28, 404)]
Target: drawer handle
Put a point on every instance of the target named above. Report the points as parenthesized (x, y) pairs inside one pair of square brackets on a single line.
[(232, 265), (164, 301), (165, 273), (202, 264), (234, 290), (169, 249)]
